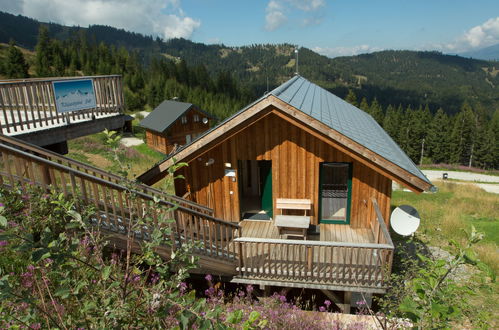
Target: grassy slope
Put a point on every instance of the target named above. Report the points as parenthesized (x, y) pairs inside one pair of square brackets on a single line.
[(444, 216), (92, 150)]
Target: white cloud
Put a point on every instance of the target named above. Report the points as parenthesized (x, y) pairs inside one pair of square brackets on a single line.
[(159, 17), (308, 5), (345, 51), (275, 16), (486, 34), (278, 12)]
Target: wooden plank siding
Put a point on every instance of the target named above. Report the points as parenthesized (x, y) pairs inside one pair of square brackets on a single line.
[(176, 133), (295, 155)]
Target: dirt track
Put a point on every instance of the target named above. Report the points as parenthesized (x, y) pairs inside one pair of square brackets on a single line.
[(469, 177)]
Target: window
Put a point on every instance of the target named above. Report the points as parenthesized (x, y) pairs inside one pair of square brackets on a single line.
[(335, 192), (188, 139), (183, 119), (196, 118)]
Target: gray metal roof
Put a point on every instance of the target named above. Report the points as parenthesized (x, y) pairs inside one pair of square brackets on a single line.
[(344, 118), (165, 114)]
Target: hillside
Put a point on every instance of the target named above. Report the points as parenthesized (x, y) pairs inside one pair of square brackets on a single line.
[(487, 53), (393, 77)]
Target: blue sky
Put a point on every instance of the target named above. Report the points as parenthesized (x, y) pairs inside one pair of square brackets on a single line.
[(331, 27)]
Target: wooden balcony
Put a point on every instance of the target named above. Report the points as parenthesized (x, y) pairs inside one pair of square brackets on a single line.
[(28, 109), (340, 258)]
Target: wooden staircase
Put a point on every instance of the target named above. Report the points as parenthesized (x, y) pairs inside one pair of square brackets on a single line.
[(117, 200)]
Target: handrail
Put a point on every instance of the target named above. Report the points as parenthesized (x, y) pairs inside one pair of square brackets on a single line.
[(311, 263), (27, 104), (381, 222), (96, 171), (312, 243), (114, 185), (7, 81)]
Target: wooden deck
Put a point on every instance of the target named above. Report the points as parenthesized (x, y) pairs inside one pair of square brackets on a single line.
[(340, 258), (328, 232)]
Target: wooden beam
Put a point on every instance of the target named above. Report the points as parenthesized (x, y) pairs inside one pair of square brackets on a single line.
[(306, 285)]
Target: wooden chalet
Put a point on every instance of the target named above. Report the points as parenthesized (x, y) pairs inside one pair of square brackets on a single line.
[(300, 163), (174, 124)]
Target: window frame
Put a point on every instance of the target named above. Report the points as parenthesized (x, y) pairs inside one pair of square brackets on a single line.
[(349, 194)]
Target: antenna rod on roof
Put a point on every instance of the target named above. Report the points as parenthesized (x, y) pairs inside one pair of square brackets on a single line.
[(296, 52)]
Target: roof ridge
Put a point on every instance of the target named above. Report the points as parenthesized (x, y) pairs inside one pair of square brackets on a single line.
[(282, 88)]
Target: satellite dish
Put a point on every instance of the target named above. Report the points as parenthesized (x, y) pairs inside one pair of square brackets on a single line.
[(405, 220), (205, 120)]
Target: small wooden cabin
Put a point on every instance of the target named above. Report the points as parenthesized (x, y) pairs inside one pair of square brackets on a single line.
[(300, 145), (174, 124)]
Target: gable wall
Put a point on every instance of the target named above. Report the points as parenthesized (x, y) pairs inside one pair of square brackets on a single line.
[(177, 132), (295, 156), (191, 127)]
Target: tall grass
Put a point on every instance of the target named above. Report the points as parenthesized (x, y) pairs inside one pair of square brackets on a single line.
[(453, 209), (445, 215)]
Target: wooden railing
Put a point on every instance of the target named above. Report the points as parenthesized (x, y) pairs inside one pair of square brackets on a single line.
[(319, 264), (315, 262), (378, 226), (115, 204), (30, 104), (96, 172)]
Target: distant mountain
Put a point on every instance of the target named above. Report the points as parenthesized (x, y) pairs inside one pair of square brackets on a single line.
[(393, 77), (490, 53)]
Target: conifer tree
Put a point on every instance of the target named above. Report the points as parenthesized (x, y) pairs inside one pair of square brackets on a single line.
[(43, 53), (15, 65), (391, 122), (405, 132), (463, 136), (376, 111), (485, 145), (364, 105), (352, 98), (437, 141), (494, 124)]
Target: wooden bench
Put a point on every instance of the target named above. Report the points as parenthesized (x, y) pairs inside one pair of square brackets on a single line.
[(293, 225)]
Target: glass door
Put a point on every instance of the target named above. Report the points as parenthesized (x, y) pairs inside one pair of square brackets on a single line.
[(335, 191)]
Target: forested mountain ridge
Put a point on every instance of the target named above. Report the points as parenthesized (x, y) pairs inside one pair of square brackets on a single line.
[(392, 77), (401, 90)]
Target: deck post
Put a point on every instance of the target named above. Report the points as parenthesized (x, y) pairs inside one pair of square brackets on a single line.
[(265, 289), (310, 258), (240, 257), (347, 302)]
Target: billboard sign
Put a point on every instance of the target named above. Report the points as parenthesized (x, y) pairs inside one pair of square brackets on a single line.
[(74, 95)]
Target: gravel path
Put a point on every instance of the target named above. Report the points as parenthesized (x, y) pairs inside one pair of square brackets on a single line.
[(131, 141), (143, 113), (467, 176), (470, 177)]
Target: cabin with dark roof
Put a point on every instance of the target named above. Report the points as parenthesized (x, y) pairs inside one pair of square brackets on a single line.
[(174, 124), (308, 178)]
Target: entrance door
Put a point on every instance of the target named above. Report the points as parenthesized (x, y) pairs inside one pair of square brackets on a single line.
[(265, 168), (335, 191)]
